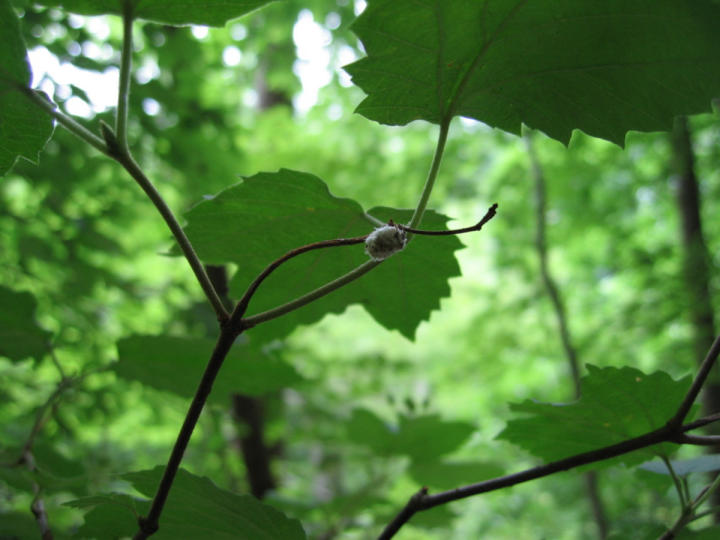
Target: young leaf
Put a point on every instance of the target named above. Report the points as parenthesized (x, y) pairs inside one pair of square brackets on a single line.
[(197, 508), (208, 12), (254, 222), (113, 515), (175, 364), (20, 335), (616, 404), (24, 128), (602, 67)]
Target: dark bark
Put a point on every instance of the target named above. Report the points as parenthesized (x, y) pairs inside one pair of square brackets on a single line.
[(697, 267)]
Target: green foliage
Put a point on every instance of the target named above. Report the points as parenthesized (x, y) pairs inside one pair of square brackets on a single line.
[(24, 129), (350, 404), (172, 364), (209, 12), (551, 67), (20, 335), (196, 509), (253, 223), (616, 404)]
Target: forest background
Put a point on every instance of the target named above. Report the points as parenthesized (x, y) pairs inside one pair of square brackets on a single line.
[(592, 230)]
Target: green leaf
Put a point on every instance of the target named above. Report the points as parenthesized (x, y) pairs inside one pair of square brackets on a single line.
[(176, 364), (197, 508), (20, 335), (445, 475), (423, 438), (602, 67), (113, 515), (24, 128), (683, 467), (254, 222), (616, 404), (208, 12)]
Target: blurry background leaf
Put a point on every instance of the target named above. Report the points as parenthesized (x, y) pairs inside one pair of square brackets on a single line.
[(210, 12), (20, 335), (175, 364)]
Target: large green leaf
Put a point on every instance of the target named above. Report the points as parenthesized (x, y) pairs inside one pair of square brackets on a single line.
[(20, 335), (209, 12), (175, 364), (195, 509), (602, 67), (24, 128), (616, 404), (254, 222), (423, 438)]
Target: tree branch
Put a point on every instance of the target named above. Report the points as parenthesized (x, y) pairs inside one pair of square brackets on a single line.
[(672, 431), (149, 525)]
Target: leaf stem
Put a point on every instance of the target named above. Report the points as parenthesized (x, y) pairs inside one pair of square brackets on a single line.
[(301, 301), (432, 174), (121, 118), (242, 305)]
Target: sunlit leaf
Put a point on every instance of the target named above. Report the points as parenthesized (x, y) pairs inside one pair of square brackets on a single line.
[(254, 222), (602, 67), (208, 12), (20, 335), (616, 404), (176, 364), (24, 128)]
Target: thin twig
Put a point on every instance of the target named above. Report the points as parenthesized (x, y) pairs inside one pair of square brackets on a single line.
[(479, 225), (242, 305), (39, 99)]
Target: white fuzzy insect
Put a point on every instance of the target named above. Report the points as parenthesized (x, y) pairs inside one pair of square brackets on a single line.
[(384, 241)]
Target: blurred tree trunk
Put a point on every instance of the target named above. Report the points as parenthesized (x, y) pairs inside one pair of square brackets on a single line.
[(248, 412), (591, 480), (697, 266)]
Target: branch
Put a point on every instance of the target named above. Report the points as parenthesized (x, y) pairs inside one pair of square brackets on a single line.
[(672, 431), (149, 525), (692, 394)]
